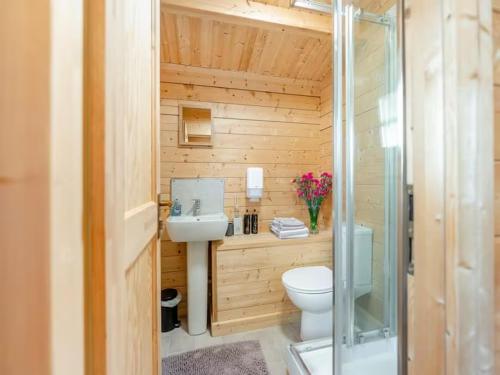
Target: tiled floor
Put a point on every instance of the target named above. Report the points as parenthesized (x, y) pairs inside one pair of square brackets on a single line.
[(273, 341)]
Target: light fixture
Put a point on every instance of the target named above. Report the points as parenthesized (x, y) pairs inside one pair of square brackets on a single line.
[(317, 6)]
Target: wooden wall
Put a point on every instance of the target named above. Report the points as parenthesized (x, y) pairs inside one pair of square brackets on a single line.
[(449, 46), (326, 140), (258, 121), (496, 55), (247, 292)]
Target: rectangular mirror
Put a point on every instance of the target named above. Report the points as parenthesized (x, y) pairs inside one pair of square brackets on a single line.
[(195, 125)]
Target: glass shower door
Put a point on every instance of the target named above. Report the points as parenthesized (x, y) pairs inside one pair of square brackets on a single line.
[(368, 188)]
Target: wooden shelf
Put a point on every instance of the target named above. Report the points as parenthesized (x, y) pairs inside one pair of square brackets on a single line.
[(267, 239)]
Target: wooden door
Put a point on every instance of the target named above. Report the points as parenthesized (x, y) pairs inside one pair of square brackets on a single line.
[(132, 117)]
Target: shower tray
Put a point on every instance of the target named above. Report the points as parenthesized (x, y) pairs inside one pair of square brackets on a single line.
[(313, 357), (316, 358)]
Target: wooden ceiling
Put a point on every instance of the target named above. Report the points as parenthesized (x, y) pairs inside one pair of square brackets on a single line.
[(205, 40), (278, 3)]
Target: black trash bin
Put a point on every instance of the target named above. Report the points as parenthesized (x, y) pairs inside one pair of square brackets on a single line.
[(170, 299)]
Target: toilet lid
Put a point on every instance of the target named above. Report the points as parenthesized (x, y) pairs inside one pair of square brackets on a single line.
[(316, 279)]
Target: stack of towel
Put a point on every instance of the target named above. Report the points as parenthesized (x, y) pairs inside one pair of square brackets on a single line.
[(289, 227)]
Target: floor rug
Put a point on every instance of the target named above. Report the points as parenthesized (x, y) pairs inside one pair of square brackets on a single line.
[(239, 358)]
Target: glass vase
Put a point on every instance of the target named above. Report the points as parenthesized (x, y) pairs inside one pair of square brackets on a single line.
[(313, 218)]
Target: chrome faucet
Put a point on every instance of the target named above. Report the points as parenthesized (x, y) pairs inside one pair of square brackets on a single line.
[(196, 207)]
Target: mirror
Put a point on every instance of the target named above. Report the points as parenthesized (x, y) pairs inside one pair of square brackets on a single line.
[(195, 126)]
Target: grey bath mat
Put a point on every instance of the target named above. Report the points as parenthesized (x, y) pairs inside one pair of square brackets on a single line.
[(239, 358)]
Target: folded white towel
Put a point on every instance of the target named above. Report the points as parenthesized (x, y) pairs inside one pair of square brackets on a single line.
[(290, 231), (295, 233), (288, 235), (288, 222)]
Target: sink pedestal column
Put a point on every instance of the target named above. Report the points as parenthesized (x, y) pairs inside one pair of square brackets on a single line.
[(197, 275)]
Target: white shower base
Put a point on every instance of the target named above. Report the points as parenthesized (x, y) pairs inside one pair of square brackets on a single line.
[(316, 358)]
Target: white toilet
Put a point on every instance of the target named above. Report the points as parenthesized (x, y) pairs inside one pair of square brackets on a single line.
[(311, 288)]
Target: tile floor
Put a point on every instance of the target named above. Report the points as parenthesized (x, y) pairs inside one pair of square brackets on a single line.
[(273, 341)]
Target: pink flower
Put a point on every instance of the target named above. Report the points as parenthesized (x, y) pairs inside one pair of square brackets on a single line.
[(313, 190)]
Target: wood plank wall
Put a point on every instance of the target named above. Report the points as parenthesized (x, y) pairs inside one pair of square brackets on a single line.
[(496, 50), (248, 292), (263, 126), (449, 46), (325, 149)]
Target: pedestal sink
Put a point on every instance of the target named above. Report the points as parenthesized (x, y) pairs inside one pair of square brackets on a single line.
[(197, 231)]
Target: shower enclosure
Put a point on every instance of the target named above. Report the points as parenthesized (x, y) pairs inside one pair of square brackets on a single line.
[(370, 200), (369, 189)]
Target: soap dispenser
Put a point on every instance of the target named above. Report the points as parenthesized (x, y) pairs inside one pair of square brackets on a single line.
[(255, 222), (176, 209), (247, 223)]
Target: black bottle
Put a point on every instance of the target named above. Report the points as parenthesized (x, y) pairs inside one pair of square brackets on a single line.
[(247, 224), (255, 222)]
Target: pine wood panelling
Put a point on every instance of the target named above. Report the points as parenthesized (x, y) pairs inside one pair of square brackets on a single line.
[(246, 112), (236, 96), (237, 80), (279, 3), (255, 14), (450, 69), (326, 141), (247, 288), (275, 130), (195, 40)]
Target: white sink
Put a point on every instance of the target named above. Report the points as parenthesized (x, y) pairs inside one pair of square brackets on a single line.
[(197, 228), (197, 231)]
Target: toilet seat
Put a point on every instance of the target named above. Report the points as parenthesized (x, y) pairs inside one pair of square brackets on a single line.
[(309, 280)]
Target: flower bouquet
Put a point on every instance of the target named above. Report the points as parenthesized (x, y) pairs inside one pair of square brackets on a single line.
[(313, 191)]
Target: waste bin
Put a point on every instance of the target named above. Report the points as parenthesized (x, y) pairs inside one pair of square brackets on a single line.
[(170, 299)]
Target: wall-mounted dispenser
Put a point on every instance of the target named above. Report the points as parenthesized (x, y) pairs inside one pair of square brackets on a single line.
[(255, 183)]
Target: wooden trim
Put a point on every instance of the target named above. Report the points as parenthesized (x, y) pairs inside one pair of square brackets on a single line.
[(66, 188), (266, 239), (155, 189), (182, 142), (254, 14), (94, 189), (191, 75), (253, 323)]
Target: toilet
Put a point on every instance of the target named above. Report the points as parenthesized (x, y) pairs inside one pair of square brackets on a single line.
[(311, 288)]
